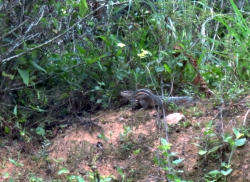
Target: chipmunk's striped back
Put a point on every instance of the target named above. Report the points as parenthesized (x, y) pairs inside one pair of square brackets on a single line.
[(146, 98)]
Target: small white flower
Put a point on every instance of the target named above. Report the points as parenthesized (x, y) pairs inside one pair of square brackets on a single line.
[(121, 45), (63, 11)]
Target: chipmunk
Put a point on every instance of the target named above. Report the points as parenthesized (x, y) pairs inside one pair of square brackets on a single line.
[(146, 98)]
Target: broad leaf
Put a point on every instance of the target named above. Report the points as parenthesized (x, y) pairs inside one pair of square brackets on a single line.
[(202, 152), (167, 68), (240, 142), (38, 67), (6, 129), (63, 170), (81, 50), (227, 172), (25, 75), (177, 161), (83, 8)]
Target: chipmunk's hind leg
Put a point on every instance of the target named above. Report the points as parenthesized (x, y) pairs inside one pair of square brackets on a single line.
[(144, 100)]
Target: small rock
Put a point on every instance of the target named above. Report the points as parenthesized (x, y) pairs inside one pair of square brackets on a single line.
[(174, 118)]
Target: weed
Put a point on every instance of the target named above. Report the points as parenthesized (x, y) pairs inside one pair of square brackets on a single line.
[(234, 143), (125, 138), (209, 142), (125, 135), (103, 137), (124, 178), (165, 162), (212, 145), (33, 178)]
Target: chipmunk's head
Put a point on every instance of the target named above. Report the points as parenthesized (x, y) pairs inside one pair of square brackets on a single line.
[(127, 93)]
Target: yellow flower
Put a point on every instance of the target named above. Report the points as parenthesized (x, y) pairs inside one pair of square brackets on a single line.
[(144, 53)]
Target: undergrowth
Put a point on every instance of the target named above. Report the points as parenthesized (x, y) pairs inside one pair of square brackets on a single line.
[(63, 59)]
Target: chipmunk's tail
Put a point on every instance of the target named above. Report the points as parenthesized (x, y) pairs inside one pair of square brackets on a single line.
[(180, 101)]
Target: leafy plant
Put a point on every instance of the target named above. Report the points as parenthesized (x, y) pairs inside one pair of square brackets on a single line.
[(210, 144), (234, 143), (103, 137), (125, 139), (217, 175), (34, 178), (165, 162), (15, 163), (122, 174), (125, 135), (226, 169)]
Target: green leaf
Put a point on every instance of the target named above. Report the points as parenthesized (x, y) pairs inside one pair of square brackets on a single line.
[(6, 129), (227, 172), (8, 75), (223, 164), (196, 144), (36, 108), (202, 152), (214, 149), (164, 142), (107, 179), (79, 179), (177, 161), (6, 175), (63, 125), (97, 58), (159, 69), (25, 75), (167, 68), (55, 23), (119, 52), (99, 101), (166, 169), (229, 140), (63, 170), (239, 16), (64, 95), (38, 67), (83, 8), (22, 120), (136, 151), (102, 136), (40, 131), (97, 88), (237, 133), (165, 146), (81, 50), (156, 161), (240, 142), (214, 172), (180, 64), (15, 110), (59, 160), (120, 172), (105, 39), (15, 162)]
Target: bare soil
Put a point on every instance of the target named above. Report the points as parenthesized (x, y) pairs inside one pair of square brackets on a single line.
[(108, 141)]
